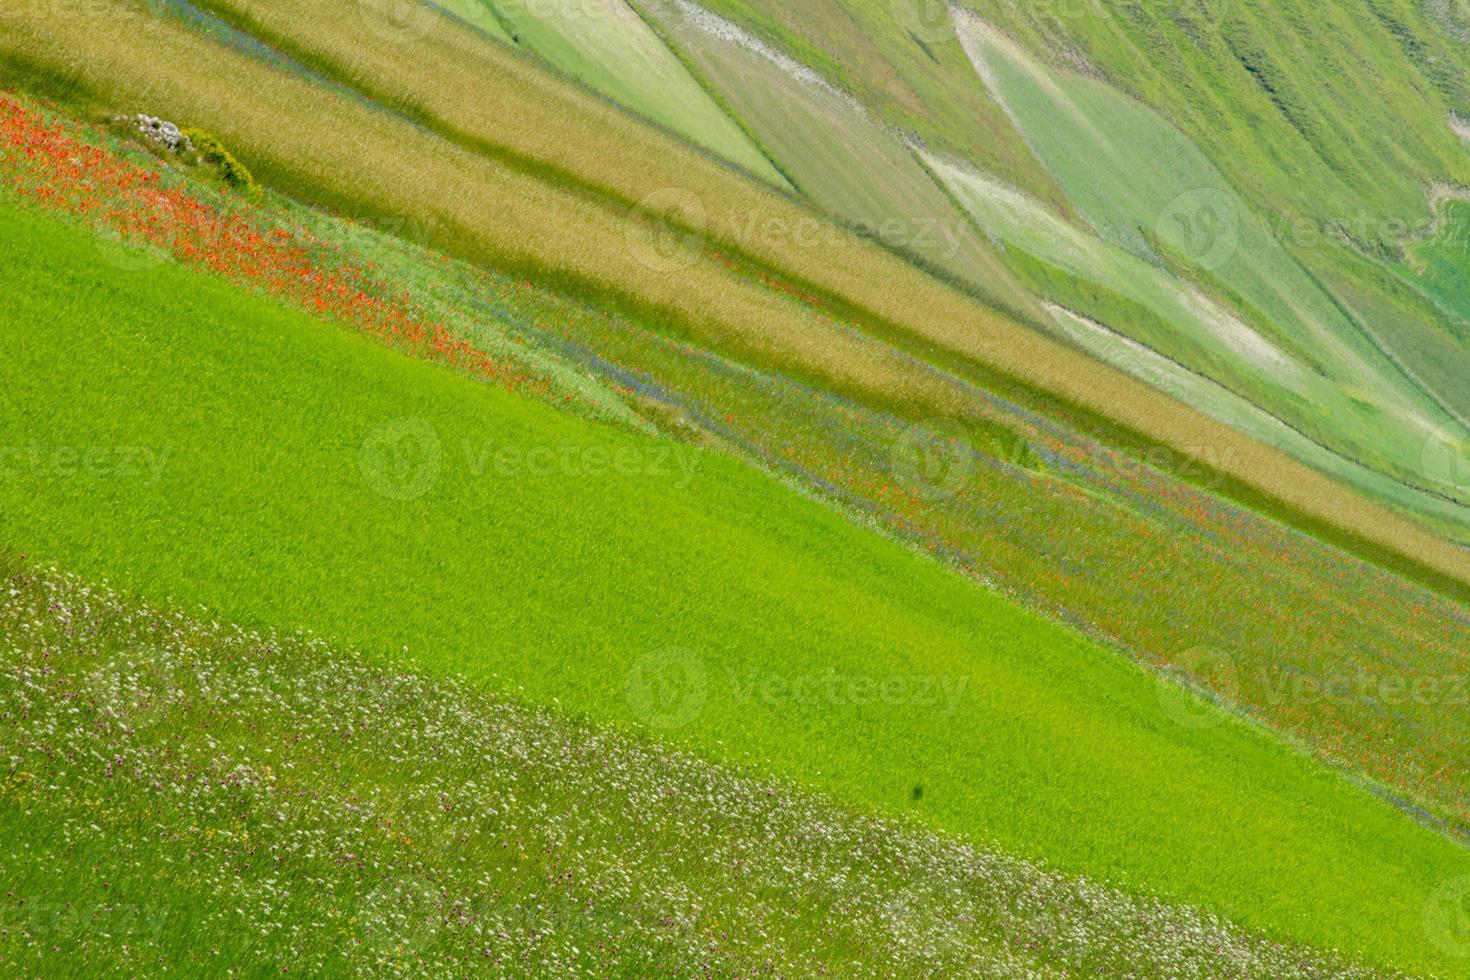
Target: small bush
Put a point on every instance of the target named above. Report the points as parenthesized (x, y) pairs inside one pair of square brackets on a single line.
[(213, 152)]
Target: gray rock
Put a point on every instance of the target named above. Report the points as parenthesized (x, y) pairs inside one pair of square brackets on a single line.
[(162, 132)]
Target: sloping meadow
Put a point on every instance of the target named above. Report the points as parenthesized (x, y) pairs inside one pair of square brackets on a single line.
[(178, 794), (584, 170), (393, 505)]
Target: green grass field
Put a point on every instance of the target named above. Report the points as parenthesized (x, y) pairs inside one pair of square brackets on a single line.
[(609, 48), (1337, 112), (1144, 186), (244, 773), (1061, 506), (836, 154), (1371, 416), (585, 177), (1181, 341), (656, 488), (581, 565)]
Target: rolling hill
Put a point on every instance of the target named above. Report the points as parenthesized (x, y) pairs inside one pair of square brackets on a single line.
[(992, 478)]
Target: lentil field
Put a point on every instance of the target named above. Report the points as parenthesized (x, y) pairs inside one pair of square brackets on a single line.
[(479, 546), (417, 512), (433, 101)]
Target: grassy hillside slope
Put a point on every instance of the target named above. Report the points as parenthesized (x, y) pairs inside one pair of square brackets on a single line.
[(1368, 419), (377, 167), (1016, 500), (433, 830), (1337, 111), (1146, 189), (903, 62), (539, 553), (1135, 314), (841, 158), (608, 47)]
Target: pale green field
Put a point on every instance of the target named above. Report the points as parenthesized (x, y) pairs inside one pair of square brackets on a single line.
[(1195, 350), (479, 14), (836, 153), (605, 45), (1146, 189)]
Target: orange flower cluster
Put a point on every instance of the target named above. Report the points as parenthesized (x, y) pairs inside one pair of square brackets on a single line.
[(48, 163)]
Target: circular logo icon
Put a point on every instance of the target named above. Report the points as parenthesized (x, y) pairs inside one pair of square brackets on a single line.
[(1446, 459), (397, 21), (125, 254), (1204, 224), (667, 688), (401, 459), (1447, 918), (655, 234), (925, 20), (137, 690), (1192, 672), (934, 458)]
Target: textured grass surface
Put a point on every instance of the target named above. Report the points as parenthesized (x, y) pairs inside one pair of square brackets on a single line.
[(839, 156), (1144, 186), (1095, 538), (609, 48), (181, 795), (1026, 504), (1263, 89), (856, 730), (1186, 344), (594, 590), (467, 90), (376, 166), (479, 14), (903, 62)]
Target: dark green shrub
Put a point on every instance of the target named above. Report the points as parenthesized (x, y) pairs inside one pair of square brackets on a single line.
[(213, 152)]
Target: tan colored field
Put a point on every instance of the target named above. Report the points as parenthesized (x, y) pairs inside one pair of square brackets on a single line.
[(490, 95), (574, 224)]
